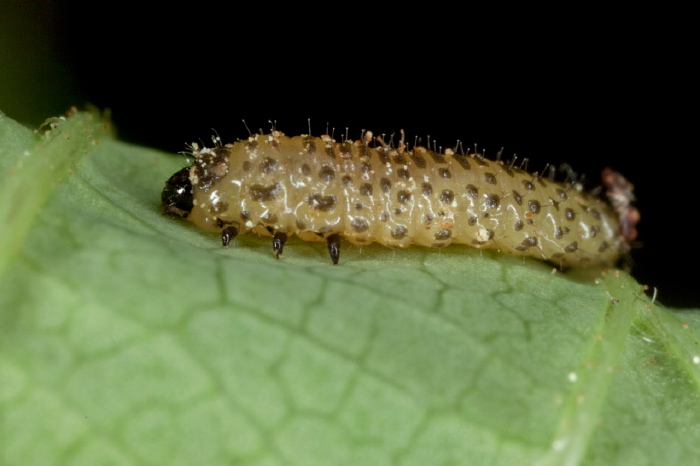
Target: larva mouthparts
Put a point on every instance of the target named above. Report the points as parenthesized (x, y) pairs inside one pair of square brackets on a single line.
[(368, 191)]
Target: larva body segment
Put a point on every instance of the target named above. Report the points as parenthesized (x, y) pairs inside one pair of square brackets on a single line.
[(317, 188)]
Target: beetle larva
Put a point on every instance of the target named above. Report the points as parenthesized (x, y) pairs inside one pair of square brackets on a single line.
[(367, 191)]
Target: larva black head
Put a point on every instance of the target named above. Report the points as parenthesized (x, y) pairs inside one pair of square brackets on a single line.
[(177, 195)]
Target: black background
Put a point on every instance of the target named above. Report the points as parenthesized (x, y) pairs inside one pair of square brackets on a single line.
[(589, 89)]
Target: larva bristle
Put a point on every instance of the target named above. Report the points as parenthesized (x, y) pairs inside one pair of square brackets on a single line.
[(499, 154), (523, 164), (246, 128), (551, 173), (511, 164)]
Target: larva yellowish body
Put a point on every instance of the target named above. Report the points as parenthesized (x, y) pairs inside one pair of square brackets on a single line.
[(317, 188)]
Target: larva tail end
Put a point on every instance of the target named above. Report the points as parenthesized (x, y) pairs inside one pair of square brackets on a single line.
[(620, 193)]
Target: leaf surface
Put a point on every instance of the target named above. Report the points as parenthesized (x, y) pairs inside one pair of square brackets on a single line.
[(128, 337)]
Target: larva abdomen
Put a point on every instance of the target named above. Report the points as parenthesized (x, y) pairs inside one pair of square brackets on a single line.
[(317, 188)]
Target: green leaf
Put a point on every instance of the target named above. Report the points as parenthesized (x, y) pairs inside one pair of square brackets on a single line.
[(128, 337)]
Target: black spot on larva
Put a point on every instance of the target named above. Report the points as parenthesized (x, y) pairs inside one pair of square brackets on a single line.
[(384, 216), (492, 201), (438, 158), (366, 189), (322, 203), (329, 151), (309, 144), (443, 234), (473, 191), (385, 184), (305, 169), (558, 233), (527, 243), (418, 159), (403, 173), (347, 180), (517, 197), (555, 204), (245, 215), (541, 182), (399, 232), (359, 225), (363, 150), (528, 186), (326, 173), (251, 144), (269, 218), (208, 168), (569, 214), (300, 225), (428, 219), (447, 196), (246, 166), (518, 225), (444, 173), (595, 229), (490, 233), (358, 206), (397, 212), (595, 214), (220, 206), (534, 206), (485, 214), (268, 165), (479, 158), (490, 178), (566, 230), (427, 189), (572, 247), (463, 160), (603, 246), (262, 193), (561, 193), (528, 221), (403, 196), (346, 149), (366, 168), (472, 221), (383, 156), (400, 159)]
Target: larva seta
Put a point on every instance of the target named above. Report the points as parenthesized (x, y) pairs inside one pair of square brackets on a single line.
[(369, 191)]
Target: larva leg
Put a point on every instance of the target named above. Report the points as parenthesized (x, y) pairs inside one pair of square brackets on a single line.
[(228, 234), (278, 241), (334, 247)]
